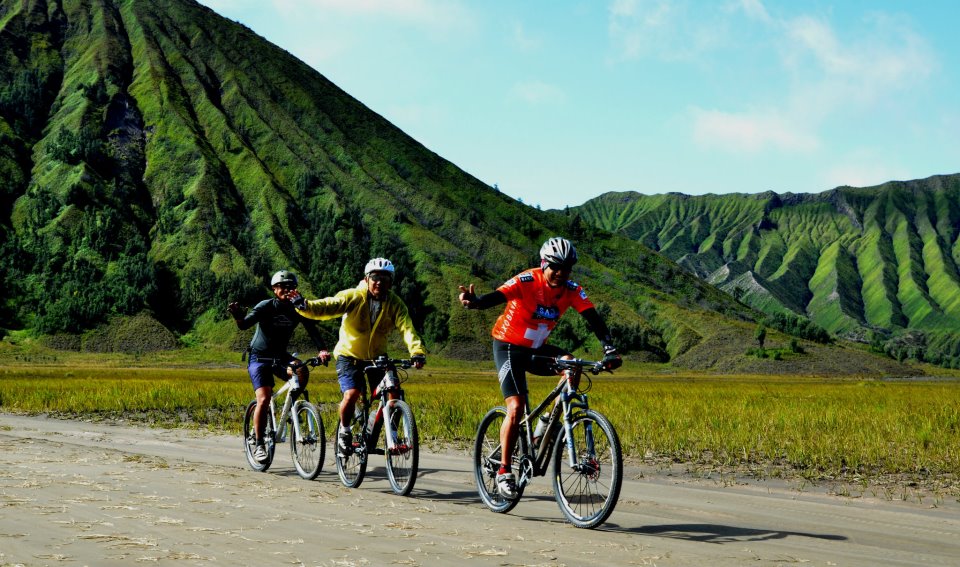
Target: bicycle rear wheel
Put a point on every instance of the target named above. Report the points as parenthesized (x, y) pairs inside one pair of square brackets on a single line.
[(404, 458), (588, 492), (352, 467), (250, 440), (486, 461), (308, 448)]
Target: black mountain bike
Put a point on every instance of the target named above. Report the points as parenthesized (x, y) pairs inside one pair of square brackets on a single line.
[(393, 415), (581, 444), (298, 419)]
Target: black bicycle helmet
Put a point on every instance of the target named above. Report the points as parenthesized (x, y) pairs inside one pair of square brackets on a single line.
[(558, 251)]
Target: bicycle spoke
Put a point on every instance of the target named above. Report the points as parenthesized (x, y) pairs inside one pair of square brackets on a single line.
[(588, 491), (250, 440), (486, 461), (307, 447), (353, 467), (404, 456)]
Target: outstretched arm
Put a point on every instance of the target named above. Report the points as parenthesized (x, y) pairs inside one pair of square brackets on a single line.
[(240, 316), (470, 300)]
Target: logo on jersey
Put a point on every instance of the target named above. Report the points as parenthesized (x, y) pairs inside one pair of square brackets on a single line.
[(526, 277), (548, 313)]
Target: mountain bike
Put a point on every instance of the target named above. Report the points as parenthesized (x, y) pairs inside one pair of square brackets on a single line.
[(393, 415), (298, 418), (581, 444)]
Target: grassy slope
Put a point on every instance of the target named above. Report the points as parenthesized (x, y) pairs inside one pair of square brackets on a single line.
[(849, 258), (237, 147)]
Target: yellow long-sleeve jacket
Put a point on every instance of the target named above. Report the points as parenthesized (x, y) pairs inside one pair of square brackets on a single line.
[(358, 337)]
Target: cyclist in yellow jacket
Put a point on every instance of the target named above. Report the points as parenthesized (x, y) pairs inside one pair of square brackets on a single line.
[(370, 311)]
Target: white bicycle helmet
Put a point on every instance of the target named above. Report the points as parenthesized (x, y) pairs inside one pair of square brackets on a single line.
[(558, 251), (378, 265), (284, 277)]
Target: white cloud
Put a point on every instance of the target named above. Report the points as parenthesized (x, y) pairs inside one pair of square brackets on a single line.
[(755, 10), (886, 57), (750, 133), (863, 172), (821, 78), (667, 29), (538, 92), (523, 40)]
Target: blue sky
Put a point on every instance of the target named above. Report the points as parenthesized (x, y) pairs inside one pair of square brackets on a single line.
[(559, 101)]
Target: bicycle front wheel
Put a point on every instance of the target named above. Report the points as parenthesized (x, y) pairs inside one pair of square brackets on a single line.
[(307, 448), (588, 491), (352, 467), (403, 458), (486, 461), (250, 440)]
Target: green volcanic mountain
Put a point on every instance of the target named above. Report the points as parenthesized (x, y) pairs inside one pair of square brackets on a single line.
[(158, 161), (859, 262), (155, 156)]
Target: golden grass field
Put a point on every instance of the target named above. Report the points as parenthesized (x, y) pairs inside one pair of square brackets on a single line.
[(813, 427)]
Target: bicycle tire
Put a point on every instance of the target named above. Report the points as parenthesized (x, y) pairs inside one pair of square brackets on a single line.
[(404, 459), (250, 440), (352, 468), (588, 494), (307, 450), (486, 461)]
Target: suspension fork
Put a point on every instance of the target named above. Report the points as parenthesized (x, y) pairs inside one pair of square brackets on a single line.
[(574, 402), (385, 412)]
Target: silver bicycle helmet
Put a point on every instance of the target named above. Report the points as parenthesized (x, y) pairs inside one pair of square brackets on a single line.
[(378, 265), (284, 277), (558, 251)]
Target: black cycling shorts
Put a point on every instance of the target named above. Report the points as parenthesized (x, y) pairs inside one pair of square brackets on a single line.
[(513, 362)]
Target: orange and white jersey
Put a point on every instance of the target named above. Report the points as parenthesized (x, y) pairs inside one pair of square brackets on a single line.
[(534, 308)]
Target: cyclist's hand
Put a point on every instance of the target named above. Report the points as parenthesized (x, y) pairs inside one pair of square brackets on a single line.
[(297, 300), (324, 357), (467, 296), (236, 310), (611, 360), (418, 360)]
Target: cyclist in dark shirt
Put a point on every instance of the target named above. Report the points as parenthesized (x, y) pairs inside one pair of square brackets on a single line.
[(276, 320)]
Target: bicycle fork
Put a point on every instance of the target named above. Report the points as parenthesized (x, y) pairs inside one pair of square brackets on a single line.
[(289, 405), (572, 401), (384, 411)]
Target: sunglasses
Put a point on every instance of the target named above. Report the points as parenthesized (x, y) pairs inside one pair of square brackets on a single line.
[(559, 267), (285, 286), (385, 278)]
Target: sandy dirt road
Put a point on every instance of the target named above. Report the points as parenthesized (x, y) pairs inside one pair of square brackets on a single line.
[(79, 493)]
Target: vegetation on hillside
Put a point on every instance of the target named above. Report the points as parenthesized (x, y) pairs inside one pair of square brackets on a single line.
[(158, 159), (875, 264)]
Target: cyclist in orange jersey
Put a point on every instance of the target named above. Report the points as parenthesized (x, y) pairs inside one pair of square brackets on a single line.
[(536, 299)]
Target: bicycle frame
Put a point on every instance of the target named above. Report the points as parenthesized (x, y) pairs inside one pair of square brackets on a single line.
[(587, 467), (381, 413), (289, 388), (571, 401)]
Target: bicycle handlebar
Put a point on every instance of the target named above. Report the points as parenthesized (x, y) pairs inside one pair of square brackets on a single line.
[(313, 361), (384, 361), (593, 366)]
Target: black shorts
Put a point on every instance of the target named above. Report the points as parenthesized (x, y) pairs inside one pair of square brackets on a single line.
[(513, 362)]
